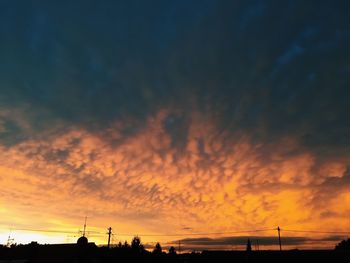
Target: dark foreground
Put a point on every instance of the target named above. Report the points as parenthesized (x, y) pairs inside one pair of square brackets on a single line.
[(91, 253)]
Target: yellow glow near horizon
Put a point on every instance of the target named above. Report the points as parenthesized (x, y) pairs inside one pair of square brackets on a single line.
[(27, 237)]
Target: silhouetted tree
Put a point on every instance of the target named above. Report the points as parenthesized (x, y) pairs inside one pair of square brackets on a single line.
[(157, 249), (136, 245), (33, 249), (126, 245), (343, 245), (249, 246), (172, 251)]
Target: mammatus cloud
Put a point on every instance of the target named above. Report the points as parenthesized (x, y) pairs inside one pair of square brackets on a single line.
[(151, 119), (147, 185)]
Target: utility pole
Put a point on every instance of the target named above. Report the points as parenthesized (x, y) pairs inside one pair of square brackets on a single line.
[(279, 237), (109, 236), (179, 246)]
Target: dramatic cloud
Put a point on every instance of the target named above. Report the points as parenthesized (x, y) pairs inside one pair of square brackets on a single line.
[(159, 117), (257, 242)]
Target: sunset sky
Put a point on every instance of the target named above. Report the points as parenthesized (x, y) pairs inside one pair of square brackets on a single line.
[(195, 120)]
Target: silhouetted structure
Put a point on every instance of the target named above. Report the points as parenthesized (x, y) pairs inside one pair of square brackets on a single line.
[(279, 237), (249, 245), (89, 253), (35, 252), (109, 236), (343, 245), (82, 241)]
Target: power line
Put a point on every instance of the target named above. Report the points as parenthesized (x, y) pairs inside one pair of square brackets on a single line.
[(46, 231), (97, 233), (150, 235), (202, 233), (315, 231), (52, 231)]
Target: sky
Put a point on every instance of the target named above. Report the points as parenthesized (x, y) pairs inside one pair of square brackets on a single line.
[(175, 120)]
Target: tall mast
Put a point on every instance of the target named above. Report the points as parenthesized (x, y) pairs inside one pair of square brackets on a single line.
[(84, 226)]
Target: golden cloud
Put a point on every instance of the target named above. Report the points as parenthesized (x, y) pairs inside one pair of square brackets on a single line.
[(213, 182)]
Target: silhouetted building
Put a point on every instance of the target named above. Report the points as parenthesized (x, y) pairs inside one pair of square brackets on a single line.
[(53, 253), (82, 241)]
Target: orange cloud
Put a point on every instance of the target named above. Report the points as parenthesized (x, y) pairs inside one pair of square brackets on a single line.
[(215, 182)]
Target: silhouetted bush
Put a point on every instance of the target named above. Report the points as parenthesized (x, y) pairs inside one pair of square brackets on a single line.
[(157, 249), (172, 251)]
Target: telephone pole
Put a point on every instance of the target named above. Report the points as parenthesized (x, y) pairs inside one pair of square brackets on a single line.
[(109, 236), (279, 237)]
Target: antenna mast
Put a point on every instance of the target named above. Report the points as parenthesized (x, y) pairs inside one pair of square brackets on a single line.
[(84, 226), (9, 241)]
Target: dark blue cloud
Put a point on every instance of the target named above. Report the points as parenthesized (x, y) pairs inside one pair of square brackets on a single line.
[(203, 243), (267, 68)]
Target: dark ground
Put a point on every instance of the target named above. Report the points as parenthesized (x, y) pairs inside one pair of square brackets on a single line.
[(92, 253)]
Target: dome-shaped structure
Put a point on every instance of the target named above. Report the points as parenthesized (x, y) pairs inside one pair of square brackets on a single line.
[(82, 241)]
